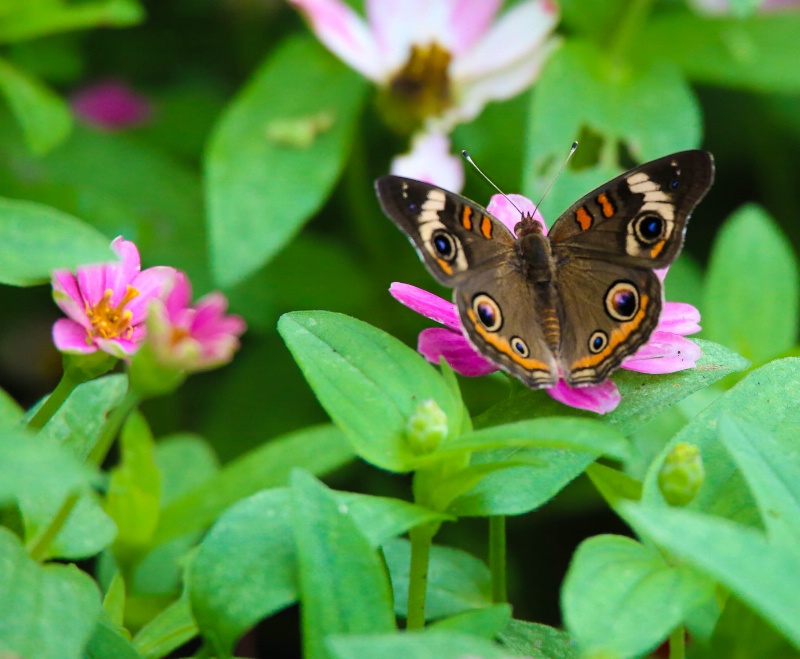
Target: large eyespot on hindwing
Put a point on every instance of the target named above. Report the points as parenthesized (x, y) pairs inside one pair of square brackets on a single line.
[(488, 312), (598, 341), (622, 300)]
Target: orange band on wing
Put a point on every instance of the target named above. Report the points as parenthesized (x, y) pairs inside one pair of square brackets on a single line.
[(501, 344), (583, 218), (659, 246), (466, 218), (617, 336), (444, 265), (605, 204), (486, 227)]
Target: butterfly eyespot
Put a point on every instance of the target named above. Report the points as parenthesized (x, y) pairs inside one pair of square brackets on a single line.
[(622, 300), (648, 228), (598, 341), (520, 347), (443, 245), (487, 311)]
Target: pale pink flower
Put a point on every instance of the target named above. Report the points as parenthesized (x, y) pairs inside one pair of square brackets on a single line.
[(430, 160), (111, 105), (106, 304), (192, 338), (666, 351), (437, 63)]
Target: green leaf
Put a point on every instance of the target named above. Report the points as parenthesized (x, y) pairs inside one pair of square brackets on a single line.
[(44, 117), (36, 19), (550, 432), (756, 54), (38, 468), (318, 449), (486, 622), (771, 464), (275, 156), (369, 382), (622, 598), (457, 581), (114, 600), (530, 639), (428, 644), (134, 491), (643, 396), (741, 634), (765, 576), (108, 641), (647, 106), (766, 398), (55, 607), (169, 630), (185, 462), (752, 296), (246, 569), (343, 585), (87, 531), (10, 411), (37, 239)]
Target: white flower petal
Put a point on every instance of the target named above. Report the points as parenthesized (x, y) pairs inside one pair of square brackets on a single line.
[(345, 34), (430, 160), (517, 35), (469, 21)]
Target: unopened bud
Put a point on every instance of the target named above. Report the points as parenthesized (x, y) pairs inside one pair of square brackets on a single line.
[(682, 474), (427, 427)]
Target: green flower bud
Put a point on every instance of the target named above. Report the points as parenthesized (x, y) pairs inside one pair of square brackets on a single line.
[(682, 474), (427, 427)]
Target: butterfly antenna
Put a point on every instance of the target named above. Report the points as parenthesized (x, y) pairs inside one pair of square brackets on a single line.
[(469, 159), (572, 150)]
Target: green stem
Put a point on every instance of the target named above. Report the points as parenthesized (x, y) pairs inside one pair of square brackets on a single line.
[(111, 427), (38, 547), (633, 18), (54, 401), (497, 558), (421, 538), (677, 644)]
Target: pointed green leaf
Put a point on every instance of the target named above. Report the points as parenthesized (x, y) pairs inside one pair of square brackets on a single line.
[(752, 296), (765, 576), (623, 598), (275, 155), (185, 462), (486, 622), (369, 382), (770, 463), (343, 584), (36, 239), (430, 644), (55, 607), (169, 630), (530, 639), (108, 641)]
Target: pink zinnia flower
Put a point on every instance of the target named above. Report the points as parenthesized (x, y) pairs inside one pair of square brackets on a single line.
[(111, 105), (192, 338), (437, 63), (666, 351), (106, 304)]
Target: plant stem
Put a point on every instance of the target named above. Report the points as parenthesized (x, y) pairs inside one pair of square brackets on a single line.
[(677, 644), (37, 548), (54, 401), (111, 427), (497, 558), (421, 538), (631, 22)]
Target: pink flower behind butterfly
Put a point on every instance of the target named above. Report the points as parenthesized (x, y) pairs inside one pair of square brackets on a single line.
[(111, 105), (437, 63), (666, 351)]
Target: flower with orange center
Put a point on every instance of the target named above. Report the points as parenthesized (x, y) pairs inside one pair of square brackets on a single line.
[(106, 304)]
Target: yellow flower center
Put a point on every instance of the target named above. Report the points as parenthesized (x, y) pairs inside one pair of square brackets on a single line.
[(421, 88), (111, 322)]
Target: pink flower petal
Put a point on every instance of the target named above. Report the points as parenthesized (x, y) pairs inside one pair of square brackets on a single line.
[(679, 318), (600, 398), (345, 34), (425, 303), (68, 297), (150, 283), (119, 347), (664, 353), (430, 160), (661, 273), (111, 105), (505, 211), (119, 276), (436, 342), (92, 282), (469, 21), (180, 293), (69, 336)]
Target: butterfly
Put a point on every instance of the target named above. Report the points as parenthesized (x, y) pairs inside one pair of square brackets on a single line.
[(572, 304)]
